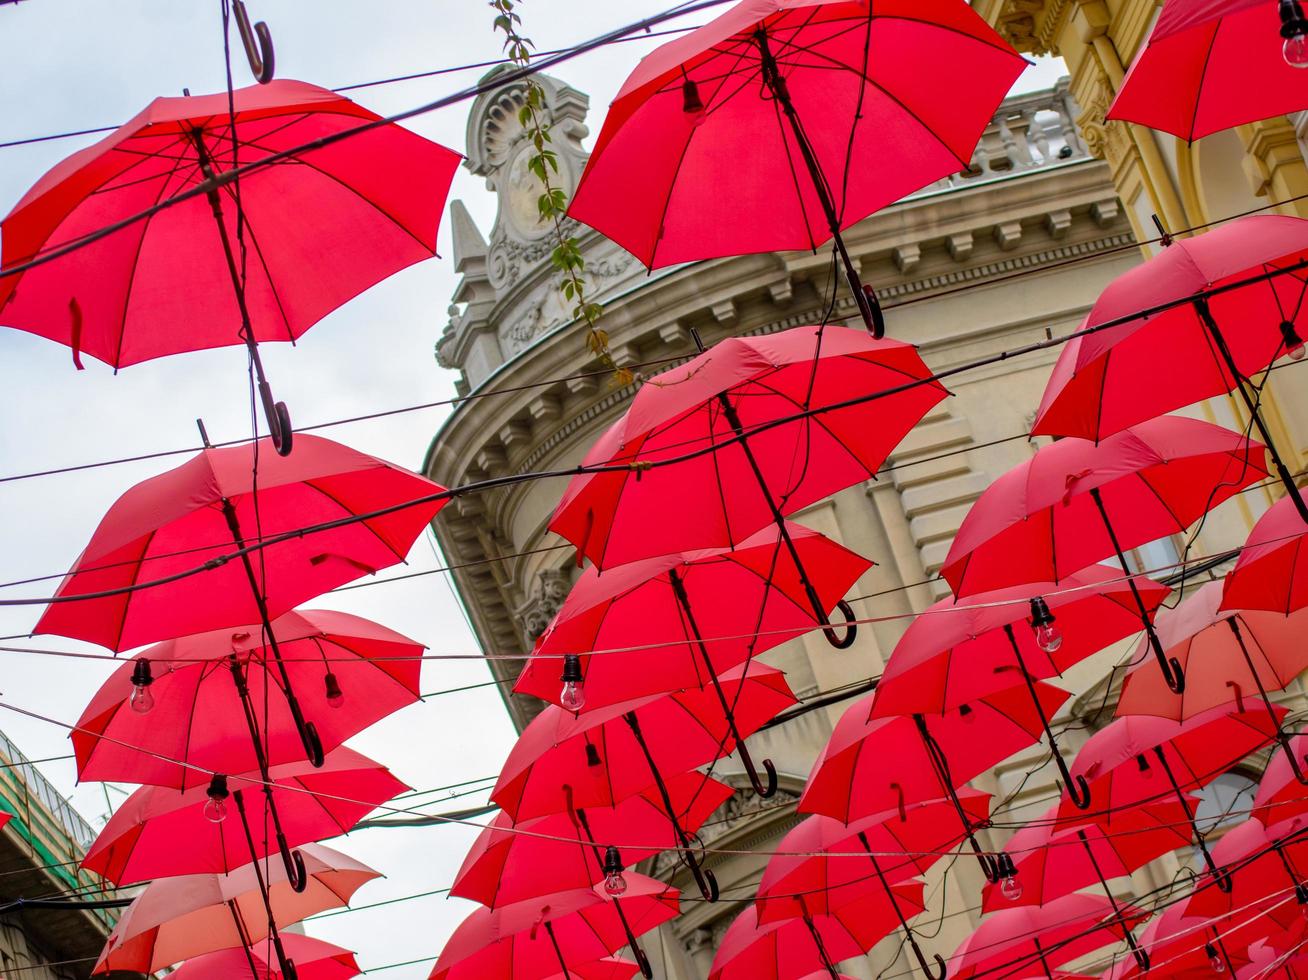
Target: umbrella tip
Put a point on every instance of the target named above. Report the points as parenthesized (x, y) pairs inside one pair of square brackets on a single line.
[(204, 433)]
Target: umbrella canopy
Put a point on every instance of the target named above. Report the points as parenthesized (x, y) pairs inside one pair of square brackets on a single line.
[(173, 919), (526, 940), (870, 765), (790, 948), (1051, 861), (1111, 379), (1226, 654), (824, 861), (958, 650), (697, 160), (596, 759), (313, 958), (504, 867), (179, 520), (640, 605), (158, 832), (1120, 761), (1267, 872), (743, 384), (609, 968), (1266, 961), (322, 226), (197, 714), (1016, 941), (1045, 518), (1176, 943), (1272, 570), (1211, 66), (1280, 795)]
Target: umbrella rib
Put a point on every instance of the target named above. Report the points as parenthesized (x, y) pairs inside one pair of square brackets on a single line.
[(141, 559), (794, 176), (1203, 77), (1180, 525), (821, 423), (317, 489), (263, 262), (714, 407)]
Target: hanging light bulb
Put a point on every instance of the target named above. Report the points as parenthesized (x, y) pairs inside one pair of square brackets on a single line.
[(215, 808), (614, 881), (1293, 342), (142, 700), (573, 697), (1294, 28), (1048, 637), (1010, 888), (335, 697), (1215, 961)]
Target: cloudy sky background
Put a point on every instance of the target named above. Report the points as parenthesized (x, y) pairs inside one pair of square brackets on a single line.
[(77, 64)]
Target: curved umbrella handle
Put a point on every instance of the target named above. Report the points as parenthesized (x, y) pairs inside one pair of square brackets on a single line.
[(642, 961), (1078, 791), (296, 876), (704, 879), (870, 307), (1173, 673), (851, 628), (990, 867), (1141, 955), (770, 790), (312, 744), (258, 44)]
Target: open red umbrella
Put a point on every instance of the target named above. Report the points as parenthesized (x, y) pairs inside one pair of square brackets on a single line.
[(1186, 947), (1236, 656), (1015, 941), (190, 699), (1212, 333), (823, 864), (564, 761), (174, 919), (556, 933), (316, 228), (1281, 796), (1272, 570), (1270, 876), (1052, 859), (870, 765), (1075, 502), (809, 943), (199, 513), (668, 617), (314, 959), (752, 430), (962, 649), (508, 863), (1210, 65), (159, 832), (1142, 759), (740, 136), (609, 968)]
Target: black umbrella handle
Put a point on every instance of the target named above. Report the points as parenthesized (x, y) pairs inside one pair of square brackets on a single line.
[(850, 625), (257, 41), (991, 867)]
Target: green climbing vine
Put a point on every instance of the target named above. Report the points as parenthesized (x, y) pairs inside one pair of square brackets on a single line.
[(566, 256)]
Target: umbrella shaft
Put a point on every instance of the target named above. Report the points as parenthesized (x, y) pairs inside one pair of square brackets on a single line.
[(941, 767), (251, 720), (821, 947), (1040, 708), (563, 965), (1283, 471), (1185, 807), (885, 885), (263, 887), (244, 936)]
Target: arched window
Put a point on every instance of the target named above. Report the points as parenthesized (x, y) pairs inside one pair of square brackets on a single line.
[(1224, 802)]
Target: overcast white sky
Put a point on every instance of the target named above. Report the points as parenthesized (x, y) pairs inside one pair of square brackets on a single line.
[(76, 64)]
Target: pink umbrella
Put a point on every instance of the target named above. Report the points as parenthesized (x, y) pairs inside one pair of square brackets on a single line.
[(667, 618), (1050, 516), (183, 703), (1268, 875), (870, 765), (1271, 572), (540, 937), (1281, 795), (961, 649), (174, 919), (1186, 947), (1209, 309), (1232, 652), (313, 959)]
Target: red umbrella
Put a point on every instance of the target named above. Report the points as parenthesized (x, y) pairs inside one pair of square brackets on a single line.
[(505, 866), (1016, 939), (1268, 961), (173, 919), (1051, 860), (966, 648), (870, 765), (1270, 573), (600, 758), (1185, 308), (537, 938), (177, 701), (1121, 762), (1281, 796), (1050, 516), (609, 968), (669, 613), (322, 226), (1184, 947), (739, 136), (810, 944), (313, 959), (1209, 66), (754, 429), (1268, 876), (1233, 653), (823, 864), (197, 514), (159, 832)]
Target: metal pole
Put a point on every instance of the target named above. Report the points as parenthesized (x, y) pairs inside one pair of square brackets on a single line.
[(1281, 737), (1141, 956), (584, 824), (288, 967), (940, 765), (941, 968), (549, 928)]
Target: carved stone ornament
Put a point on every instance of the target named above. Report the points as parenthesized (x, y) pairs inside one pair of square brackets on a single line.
[(536, 615), (1105, 139)]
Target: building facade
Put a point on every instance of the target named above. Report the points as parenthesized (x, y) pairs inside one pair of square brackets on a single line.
[(41, 847), (1012, 252)]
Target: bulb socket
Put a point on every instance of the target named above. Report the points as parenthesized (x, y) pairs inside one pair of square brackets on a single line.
[(1301, 893), (218, 787), (1040, 614), (571, 669), (691, 103), (592, 755), (332, 687), (1290, 336), (141, 673), (612, 861), (1293, 22)]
